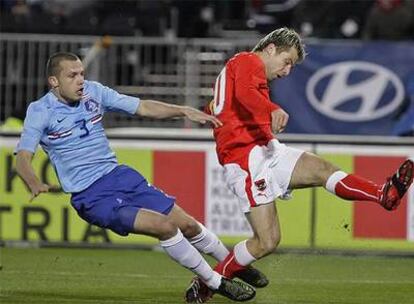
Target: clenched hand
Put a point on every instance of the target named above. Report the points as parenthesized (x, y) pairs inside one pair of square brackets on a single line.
[(279, 120)]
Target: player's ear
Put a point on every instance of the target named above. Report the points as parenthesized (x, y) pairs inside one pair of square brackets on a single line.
[(53, 81), (270, 49)]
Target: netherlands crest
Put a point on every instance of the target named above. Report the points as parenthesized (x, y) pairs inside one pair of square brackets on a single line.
[(91, 105)]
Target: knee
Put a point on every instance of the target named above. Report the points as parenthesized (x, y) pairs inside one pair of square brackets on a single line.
[(328, 168), (325, 170), (167, 229), (190, 228)]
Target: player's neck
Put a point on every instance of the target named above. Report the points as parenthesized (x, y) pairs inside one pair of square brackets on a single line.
[(264, 58), (261, 55), (72, 103)]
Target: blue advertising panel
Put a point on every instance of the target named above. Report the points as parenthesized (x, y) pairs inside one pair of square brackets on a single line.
[(347, 88)]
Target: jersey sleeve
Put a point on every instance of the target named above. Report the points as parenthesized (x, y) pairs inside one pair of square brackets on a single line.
[(35, 124), (251, 87), (113, 101)]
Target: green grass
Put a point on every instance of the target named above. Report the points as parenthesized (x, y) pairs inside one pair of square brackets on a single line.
[(133, 276)]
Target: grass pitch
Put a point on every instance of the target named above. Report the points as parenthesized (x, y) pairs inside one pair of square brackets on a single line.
[(134, 276)]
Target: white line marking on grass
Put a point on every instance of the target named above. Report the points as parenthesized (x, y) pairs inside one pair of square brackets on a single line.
[(80, 274), (353, 281)]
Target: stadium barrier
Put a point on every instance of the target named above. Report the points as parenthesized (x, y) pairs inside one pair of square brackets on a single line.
[(183, 162)]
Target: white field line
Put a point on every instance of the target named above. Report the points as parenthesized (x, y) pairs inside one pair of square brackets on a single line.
[(81, 274)]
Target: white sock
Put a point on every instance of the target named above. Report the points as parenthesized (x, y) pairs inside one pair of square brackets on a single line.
[(333, 180), (180, 250), (242, 255), (208, 243)]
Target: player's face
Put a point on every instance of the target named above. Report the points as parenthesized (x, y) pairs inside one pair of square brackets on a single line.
[(280, 64), (70, 81)]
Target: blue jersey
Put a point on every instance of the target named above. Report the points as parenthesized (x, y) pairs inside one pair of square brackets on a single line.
[(73, 136)]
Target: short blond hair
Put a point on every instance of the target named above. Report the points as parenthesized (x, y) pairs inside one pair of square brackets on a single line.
[(53, 67), (284, 39)]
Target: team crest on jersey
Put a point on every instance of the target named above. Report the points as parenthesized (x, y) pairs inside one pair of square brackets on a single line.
[(91, 105), (260, 184)]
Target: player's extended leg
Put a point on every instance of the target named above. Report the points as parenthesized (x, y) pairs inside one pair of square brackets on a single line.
[(179, 249), (311, 170)]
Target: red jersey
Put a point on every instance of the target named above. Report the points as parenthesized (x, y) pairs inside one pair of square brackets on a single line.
[(241, 101)]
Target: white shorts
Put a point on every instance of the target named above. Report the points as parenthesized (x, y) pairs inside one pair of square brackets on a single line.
[(264, 176)]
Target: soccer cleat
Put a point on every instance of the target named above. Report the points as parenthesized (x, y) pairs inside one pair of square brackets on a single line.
[(396, 186), (235, 290), (197, 292), (252, 276)]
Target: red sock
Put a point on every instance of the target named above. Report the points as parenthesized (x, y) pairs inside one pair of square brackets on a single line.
[(353, 187), (228, 266)]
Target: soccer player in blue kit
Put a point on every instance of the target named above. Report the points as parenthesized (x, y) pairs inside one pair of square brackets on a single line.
[(67, 122)]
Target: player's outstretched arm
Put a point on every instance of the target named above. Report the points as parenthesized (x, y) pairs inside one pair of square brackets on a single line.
[(25, 170), (160, 110)]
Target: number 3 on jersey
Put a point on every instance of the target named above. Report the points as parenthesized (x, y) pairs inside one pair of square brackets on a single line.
[(219, 93), (83, 127)]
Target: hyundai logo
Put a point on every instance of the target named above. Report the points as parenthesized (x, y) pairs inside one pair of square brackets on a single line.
[(355, 91)]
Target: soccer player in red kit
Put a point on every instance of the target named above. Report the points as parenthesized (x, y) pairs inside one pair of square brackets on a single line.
[(257, 167)]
